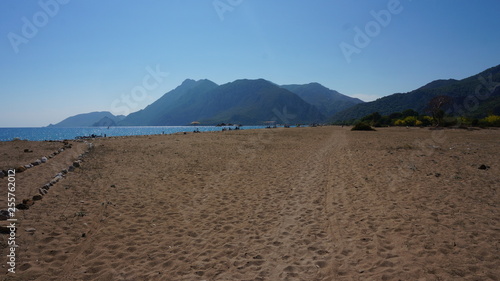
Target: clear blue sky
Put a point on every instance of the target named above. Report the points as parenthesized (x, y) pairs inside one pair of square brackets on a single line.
[(64, 57)]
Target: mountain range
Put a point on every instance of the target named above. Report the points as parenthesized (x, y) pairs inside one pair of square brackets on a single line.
[(244, 101), (253, 102), (475, 96)]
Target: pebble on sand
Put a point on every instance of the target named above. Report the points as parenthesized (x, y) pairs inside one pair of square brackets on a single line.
[(5, 230), (483, 167), (20, 169), (28, 202), (30, 230), (22, 206), (4, 215)]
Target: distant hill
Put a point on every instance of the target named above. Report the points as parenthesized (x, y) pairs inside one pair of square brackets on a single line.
[(438, 84), (487, 101), (256, 101), (105, 122), (88, 119), (326, 100), (181, 106), (242, 101)]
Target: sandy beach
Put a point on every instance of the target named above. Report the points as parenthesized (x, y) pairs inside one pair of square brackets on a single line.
[(321, 203)]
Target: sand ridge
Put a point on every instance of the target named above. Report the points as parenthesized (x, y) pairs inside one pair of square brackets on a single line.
[(282, 204)]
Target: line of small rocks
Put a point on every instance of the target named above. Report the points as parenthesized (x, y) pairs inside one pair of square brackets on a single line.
[(37, 162), (27, 203)]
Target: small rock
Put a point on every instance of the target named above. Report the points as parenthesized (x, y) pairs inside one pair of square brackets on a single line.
[(60, 175), (5, 230), (65, 171), (2, 174), (84, 235), (76, 164), (71, 168), (483, 167), (22, 206), (42, 191), (27, 166), (28, 202), (37, 197), (44, 159), (28, 150), (37, 162), (437, 175), (30, 230), (20, 169), (4, 215)]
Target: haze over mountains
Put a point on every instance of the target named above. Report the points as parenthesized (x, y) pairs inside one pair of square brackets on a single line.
[(252, 102)]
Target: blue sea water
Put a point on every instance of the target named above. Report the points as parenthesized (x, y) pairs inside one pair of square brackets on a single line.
[(51, 133)]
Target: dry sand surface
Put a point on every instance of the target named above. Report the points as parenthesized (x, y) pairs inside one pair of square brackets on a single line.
[(320, 203)]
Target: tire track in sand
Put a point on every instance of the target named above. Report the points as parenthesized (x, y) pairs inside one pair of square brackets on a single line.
[(358, 216)]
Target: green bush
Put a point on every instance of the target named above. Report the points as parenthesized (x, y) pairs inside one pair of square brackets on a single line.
[(362, 127), (490, 121)]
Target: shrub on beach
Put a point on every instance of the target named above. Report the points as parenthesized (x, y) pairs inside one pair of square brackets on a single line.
[(408, 121), (362, 127), (490, 121)]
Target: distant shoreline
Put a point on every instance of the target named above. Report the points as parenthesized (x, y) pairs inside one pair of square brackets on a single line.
[(57, 134)]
